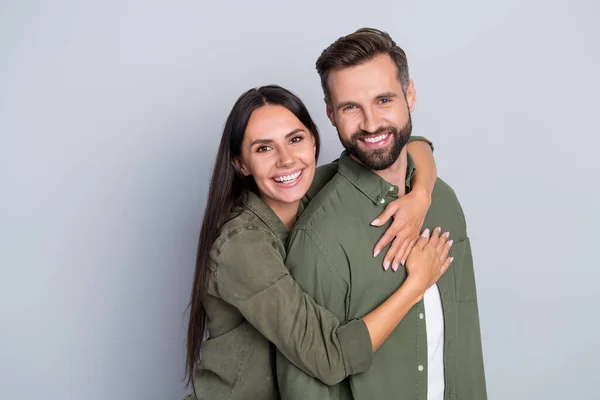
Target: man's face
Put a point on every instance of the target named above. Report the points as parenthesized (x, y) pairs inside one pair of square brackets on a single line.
[(371, 112)]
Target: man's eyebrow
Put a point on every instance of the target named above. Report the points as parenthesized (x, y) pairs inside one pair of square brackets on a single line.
[(386, 95), (268, 141)]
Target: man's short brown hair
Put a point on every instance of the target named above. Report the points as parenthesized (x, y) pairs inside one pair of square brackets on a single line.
[(357, 48)]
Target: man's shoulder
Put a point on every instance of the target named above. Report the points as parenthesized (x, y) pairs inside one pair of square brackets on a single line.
[(323, 174), (318, 212), (446, 207)]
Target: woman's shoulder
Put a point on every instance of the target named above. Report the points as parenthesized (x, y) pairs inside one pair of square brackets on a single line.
[(243, 227)]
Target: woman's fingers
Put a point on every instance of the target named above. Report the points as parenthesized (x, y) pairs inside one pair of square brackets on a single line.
[(393, 231), (391, 253), (446, 265), (399, 256)]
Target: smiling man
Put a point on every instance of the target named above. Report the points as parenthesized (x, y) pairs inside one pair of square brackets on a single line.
[(435, 353)]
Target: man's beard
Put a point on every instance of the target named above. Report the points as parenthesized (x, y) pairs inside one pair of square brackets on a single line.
[(379, 159)]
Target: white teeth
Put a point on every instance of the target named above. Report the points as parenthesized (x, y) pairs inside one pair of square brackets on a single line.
[(376, 138), (288, 178)]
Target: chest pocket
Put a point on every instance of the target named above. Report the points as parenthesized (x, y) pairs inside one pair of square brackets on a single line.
[(464, 275)]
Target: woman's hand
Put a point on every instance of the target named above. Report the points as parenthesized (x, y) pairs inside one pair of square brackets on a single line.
[(428, 260), (409, 213)]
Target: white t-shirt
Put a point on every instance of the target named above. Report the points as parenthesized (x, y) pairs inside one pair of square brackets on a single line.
[(434, 322)]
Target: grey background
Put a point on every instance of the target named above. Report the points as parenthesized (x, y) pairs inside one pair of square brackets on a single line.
[(110, 114)]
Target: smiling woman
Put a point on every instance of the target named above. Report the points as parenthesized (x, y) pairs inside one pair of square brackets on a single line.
[(242, 292), (279, 152)]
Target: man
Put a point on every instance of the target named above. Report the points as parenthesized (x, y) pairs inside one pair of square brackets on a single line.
[(435, 352)]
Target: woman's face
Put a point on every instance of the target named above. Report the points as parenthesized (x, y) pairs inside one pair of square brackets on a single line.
[(279, 152)]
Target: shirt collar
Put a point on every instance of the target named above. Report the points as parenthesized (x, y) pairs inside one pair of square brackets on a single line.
[(262, 210), (369, 183)]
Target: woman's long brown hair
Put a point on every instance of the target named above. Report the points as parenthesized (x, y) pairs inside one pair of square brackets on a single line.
[(228, 191)]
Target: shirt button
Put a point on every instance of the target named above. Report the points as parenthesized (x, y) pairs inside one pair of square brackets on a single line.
[(382, 201), (421, 316), (420, 368), (392, 188)]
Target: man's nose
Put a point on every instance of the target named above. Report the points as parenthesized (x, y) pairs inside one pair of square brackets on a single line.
[(370, 120)]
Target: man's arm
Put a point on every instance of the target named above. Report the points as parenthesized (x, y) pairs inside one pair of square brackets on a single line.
[(311, 266)]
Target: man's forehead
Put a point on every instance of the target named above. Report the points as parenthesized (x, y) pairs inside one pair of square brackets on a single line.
[(372, 77)]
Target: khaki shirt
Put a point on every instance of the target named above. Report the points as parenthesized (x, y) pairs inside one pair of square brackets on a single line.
[(330, 256), (252, 301)]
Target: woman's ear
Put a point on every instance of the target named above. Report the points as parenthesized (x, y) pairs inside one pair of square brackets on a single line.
[(237, 164)]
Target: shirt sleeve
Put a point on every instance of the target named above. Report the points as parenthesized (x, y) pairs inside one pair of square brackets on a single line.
[(421, 139), (311, 265), (251, 275)]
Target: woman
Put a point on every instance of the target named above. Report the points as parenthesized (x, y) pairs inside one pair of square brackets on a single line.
[(242, 291)]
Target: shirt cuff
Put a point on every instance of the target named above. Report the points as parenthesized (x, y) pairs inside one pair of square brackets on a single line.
[(421, 139), (357, 348)]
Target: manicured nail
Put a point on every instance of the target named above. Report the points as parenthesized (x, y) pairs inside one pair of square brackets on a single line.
[(395, 267), (451, 259), (376, 253), (447, 234), (425, 233), (438, 229), (403, 262), (375, 222), (386, 265), (450, 243)]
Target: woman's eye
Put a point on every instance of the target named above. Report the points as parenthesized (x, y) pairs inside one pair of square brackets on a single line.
[(262, 149), (296, 139)]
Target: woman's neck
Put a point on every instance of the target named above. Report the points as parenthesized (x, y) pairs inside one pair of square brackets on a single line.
[(286, 212)]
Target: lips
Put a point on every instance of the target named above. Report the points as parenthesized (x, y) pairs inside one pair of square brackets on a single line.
[(375, 139), (289, 179)]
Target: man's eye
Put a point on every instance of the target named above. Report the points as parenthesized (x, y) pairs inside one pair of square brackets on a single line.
[(262, 149), (348, 108), (384, 101)]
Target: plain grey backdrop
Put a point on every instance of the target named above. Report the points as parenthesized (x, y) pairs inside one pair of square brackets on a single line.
[(110, 115)]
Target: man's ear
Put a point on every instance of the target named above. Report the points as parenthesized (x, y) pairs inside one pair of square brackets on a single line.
[(237, 163), (329, 111), (411, 95)]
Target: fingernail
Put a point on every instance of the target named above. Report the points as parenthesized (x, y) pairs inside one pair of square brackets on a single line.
[(438, 229), (451, 259), (375, 222), (395, 267), (447, 234), (376, 253), (425, 233), (386, 265), (403, 262), (450, 243)]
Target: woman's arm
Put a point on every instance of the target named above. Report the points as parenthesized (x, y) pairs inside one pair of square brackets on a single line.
[(410, 210), (252, 277), (421, 150), (427, 262)]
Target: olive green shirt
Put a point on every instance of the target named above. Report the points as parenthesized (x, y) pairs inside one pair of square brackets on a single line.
[(252, 300), (330, 256)]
